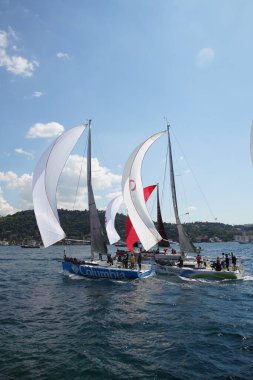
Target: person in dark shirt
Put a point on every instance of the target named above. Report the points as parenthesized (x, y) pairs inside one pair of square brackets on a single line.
[(227, 261), (139, 261), (218, 264), (233, 260), (180, 262)]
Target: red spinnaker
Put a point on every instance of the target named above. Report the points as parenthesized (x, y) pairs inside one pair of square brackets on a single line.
[(131, 235)]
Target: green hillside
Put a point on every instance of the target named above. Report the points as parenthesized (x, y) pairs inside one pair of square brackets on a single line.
[(22, 225)]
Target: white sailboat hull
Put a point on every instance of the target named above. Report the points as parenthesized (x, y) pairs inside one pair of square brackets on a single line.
[(198, 273)]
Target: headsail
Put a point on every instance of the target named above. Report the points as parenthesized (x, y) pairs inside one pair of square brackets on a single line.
[(185, 244), (45, 180), (131, 235), (110, 213), (97, 236), (132, 190)]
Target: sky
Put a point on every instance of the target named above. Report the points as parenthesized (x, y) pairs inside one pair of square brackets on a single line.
[(129, 66)]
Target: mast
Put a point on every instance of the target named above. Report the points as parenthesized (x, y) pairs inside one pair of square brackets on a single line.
[(97, 239), (185, 244), (90, 192)]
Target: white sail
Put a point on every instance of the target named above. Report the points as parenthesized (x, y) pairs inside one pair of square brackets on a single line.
[(45, 180), (251, 143), (110, 214), (132, 190)]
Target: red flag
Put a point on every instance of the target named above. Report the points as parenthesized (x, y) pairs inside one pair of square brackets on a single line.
[(131, 235)]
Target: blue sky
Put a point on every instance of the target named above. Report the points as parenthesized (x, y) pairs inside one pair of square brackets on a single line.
[(127, 65)]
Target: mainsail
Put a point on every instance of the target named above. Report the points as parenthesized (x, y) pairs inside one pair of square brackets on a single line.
[(185, 244), (45, 180), (97, 237), (132, 190)]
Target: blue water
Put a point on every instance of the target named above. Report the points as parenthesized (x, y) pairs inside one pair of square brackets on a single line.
[(58, 327)]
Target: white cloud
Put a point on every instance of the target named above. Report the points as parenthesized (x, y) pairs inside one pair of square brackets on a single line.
[(191, 209), (22, 184), (5, 207), (113, 194), (24, 152), (37, 94), (3, 40), (15, 64), (205, 57), (61, 55), (104, 185), (13, 181), (40, 130), (103, 181)]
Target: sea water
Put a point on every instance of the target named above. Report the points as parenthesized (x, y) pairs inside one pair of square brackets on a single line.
[(54, 326)]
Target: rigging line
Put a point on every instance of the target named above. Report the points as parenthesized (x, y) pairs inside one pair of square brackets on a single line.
[(99, 146), (165, 173), (195, 178), (80, 172)]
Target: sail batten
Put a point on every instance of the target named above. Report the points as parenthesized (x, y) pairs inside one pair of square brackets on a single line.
[(132, 190), (45, 181)]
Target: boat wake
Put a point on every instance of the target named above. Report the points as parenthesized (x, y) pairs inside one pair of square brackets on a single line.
[(248, 278), (71, 276)]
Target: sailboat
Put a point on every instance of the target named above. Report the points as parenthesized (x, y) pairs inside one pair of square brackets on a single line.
[(45, 180), (145, 228)]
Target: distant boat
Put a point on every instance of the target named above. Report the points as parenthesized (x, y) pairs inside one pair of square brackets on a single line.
[(243, 239), (30, 244), (45, 181), (77, 242), (4, 242)]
